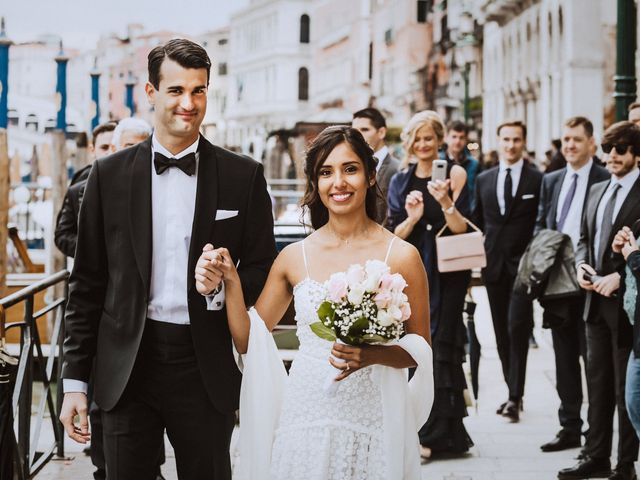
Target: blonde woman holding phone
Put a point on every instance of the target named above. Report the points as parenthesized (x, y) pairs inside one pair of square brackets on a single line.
[(424, 197)]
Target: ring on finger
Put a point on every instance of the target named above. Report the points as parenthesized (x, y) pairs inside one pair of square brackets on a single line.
[(348, 367)]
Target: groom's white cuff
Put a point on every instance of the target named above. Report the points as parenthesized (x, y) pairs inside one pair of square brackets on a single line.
[(216, 302), (69, 385)]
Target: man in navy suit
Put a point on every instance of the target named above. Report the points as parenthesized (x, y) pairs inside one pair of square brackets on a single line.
[(506, 209), (562, 200)]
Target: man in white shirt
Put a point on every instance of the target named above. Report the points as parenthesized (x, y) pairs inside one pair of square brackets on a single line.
[(373, 127), (562, 200), (611, 204), (506, 208), (163, 352)]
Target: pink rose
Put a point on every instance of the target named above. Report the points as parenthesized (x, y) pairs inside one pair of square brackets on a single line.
[(386, 281), (406, 311), (398, 282), (382, 299), (337, 287)]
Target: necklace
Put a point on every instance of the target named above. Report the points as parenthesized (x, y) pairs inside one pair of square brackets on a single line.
[(347, 241)]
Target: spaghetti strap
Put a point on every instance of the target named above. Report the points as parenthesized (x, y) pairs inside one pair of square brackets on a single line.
[(304, 257), (389, 249)]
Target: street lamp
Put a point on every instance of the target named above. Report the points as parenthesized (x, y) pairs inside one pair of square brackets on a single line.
[(465, 50), (61, 89)]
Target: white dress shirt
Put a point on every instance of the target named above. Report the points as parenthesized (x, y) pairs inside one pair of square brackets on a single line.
[(626, 183), (381, 155), (516, 171), (571, 225)]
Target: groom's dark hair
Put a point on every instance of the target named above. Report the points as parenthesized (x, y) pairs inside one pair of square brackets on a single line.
[(318, 151), (184, 52)]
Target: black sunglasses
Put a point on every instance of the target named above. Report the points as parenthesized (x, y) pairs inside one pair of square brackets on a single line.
[(621, 148)]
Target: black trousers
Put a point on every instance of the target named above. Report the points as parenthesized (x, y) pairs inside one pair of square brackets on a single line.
[(606, 371), (569, 344), (512, 316), (165, 391)]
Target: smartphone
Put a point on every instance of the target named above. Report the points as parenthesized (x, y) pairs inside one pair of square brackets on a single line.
[(591, 278), (439, 170)]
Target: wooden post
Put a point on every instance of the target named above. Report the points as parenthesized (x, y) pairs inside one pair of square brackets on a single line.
[(57, 259), (4, 209)]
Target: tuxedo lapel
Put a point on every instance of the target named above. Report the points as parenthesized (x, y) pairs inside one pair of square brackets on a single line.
[(493, 204), (598, 192), (553, 209), (206, 205), (140, 221), (626, 210)]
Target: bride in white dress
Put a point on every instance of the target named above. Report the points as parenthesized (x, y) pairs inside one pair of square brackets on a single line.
[(308, 433)]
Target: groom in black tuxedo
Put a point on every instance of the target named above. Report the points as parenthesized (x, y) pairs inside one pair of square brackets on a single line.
[(163, 352)]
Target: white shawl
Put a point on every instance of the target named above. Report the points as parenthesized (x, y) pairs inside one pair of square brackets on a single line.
[(406, 405)]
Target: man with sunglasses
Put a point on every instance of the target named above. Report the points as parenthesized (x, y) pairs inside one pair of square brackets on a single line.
[(610, 205)]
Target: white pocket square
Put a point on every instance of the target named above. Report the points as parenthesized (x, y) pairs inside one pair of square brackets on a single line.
[(528, 196), (224, 214)]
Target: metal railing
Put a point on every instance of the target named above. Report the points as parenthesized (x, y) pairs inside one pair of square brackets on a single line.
[(29, 458)]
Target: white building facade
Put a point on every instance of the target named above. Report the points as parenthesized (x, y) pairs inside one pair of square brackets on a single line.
[(543, 62), (269, 61)]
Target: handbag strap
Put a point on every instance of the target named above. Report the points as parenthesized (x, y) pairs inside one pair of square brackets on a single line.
[(467, 221)]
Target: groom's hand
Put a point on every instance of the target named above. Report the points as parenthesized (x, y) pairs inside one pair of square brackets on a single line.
[(208, 275), (75, 403)]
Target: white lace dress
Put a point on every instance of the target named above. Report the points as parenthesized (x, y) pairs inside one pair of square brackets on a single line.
[(323, 436)]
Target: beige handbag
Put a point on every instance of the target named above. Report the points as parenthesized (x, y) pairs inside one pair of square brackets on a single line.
[(463, 251)]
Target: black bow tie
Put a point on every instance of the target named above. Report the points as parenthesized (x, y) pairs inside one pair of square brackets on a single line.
[(187, 163)]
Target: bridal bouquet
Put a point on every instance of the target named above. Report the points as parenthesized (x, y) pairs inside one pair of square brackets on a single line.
[(364, 305)]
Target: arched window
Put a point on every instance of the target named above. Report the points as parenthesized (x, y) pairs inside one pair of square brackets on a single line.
[(303, 84), (304, 28)]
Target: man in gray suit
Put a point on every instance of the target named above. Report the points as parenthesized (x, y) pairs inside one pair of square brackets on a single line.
[(373, 127)]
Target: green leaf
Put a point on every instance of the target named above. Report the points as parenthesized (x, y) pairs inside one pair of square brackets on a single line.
[(326, 310), (359, 326), (323, 332)]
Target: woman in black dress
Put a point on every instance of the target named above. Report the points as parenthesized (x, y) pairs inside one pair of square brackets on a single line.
[(418, 209)]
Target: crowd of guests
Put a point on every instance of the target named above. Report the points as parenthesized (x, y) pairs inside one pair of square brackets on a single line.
[(595, 206)]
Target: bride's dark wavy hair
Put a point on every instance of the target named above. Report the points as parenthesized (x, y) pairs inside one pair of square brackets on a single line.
[(318, 152)]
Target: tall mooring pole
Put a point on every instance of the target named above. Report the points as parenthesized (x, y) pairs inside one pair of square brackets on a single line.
[(625, 78)]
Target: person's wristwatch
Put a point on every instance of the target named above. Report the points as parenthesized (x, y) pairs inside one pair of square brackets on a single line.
[(450, 210)]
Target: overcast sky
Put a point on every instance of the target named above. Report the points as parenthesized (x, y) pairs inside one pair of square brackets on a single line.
[(81, 22)]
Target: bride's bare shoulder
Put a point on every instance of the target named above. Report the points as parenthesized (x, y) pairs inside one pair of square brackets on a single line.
[(404, 256)]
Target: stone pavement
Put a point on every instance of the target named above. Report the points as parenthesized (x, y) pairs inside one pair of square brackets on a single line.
[(502, 451)]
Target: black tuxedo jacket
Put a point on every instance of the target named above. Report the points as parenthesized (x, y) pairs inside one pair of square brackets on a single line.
[(627, 216), (506, 236), (550, 193), (109, 285)]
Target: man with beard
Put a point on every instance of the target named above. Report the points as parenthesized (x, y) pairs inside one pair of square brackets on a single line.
[(610, 205)]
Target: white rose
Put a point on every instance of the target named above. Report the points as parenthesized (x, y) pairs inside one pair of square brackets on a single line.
[(355, 295), (375, 269), (355, 275), (384, 318), (395, 312)]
